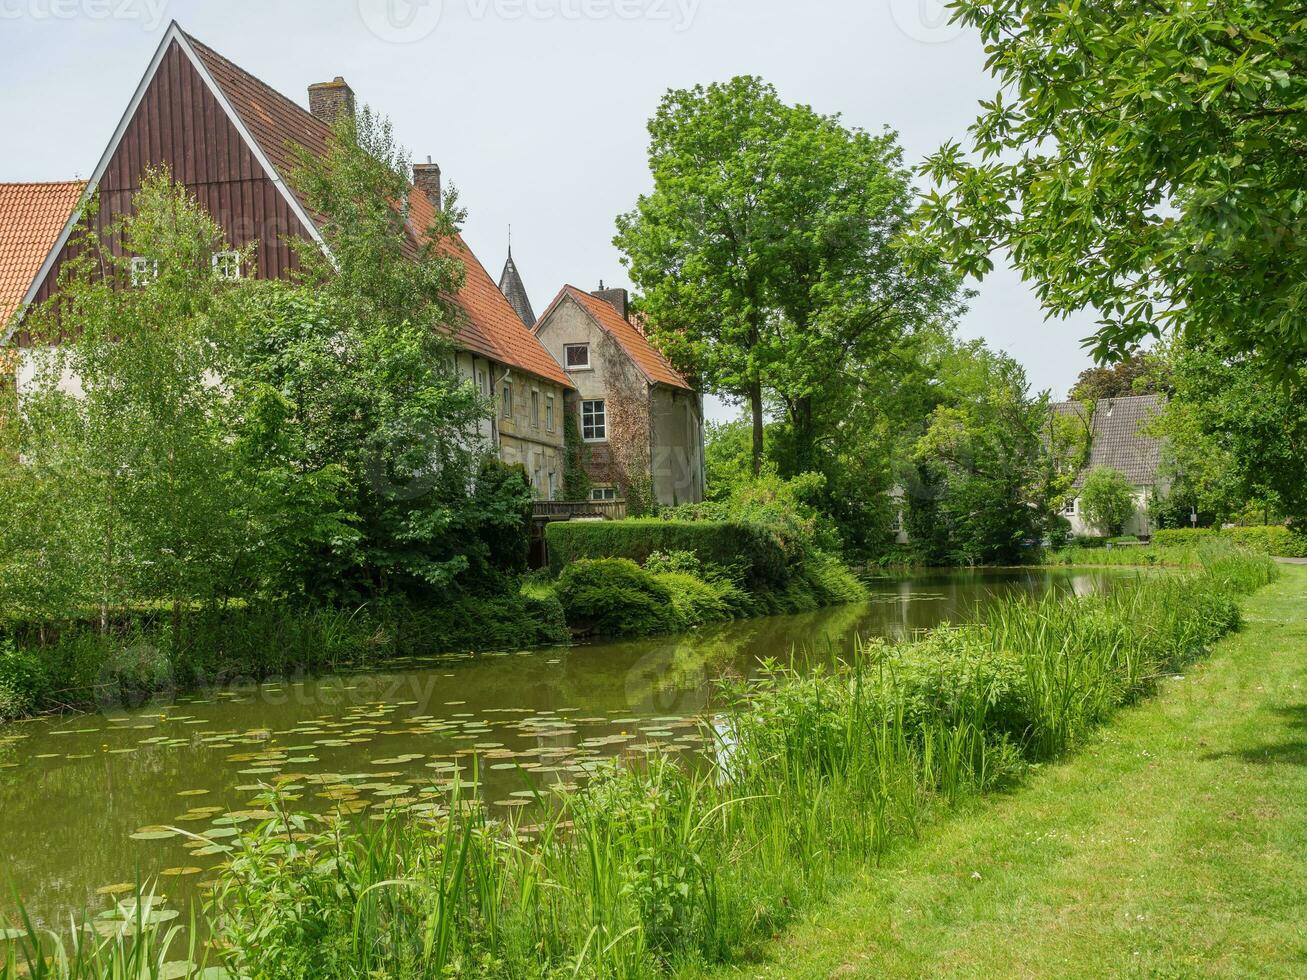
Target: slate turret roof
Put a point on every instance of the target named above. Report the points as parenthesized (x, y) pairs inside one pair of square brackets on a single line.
[(511, 285)]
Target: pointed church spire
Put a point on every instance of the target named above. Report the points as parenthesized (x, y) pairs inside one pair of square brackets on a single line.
[(510, 284)]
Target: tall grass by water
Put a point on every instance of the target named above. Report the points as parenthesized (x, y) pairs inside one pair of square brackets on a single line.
[(650, 869)]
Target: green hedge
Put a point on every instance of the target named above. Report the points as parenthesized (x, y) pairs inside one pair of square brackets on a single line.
[(616, 597), (749, 553), (1275, 539)]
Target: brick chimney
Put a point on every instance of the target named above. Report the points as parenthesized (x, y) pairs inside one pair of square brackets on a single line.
[(327, 100), (426, 177), (618, 299)]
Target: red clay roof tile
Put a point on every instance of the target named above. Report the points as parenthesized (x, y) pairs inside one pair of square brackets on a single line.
[(32, 216)]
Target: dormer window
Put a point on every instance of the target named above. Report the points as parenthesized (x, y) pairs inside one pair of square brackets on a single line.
[(144, 271), (576, 357), (227, 266)]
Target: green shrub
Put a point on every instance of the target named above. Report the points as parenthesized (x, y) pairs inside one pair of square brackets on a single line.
[(695, 601), (1107, 500), (674, 561), (13, 703), (616, 597), (1177, 537), (831, 581), (756, 555), (1275, 539), (21, 674)]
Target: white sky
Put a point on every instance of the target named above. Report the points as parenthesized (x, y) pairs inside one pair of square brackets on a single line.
[(535, 108)]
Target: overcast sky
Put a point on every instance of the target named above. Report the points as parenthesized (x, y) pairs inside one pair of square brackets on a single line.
[(535, 108)]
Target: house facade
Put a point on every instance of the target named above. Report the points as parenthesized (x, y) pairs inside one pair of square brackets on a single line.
[(1117, 430), (229, 138), (639, 421)]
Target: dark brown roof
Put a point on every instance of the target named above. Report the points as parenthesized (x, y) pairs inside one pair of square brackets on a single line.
[(652, 364), (1118, 439), (490, 327), (32, 216)]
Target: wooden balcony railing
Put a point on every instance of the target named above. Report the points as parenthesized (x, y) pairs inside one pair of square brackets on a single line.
[(579, 510)]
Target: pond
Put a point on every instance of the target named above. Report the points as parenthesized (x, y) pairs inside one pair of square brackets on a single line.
[(91, 801)]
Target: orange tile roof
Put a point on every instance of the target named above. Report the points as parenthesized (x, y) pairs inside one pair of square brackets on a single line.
[(490, 325), (32, 216), (647, 358)]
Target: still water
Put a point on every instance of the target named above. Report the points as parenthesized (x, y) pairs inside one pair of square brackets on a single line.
[(89, 802)]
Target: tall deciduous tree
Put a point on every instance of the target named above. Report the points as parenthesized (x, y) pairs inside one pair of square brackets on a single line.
[(1141, 373), (1143, 160), (983, 481), (124, 430), (375, 387), (770, 253), (1233, 439)]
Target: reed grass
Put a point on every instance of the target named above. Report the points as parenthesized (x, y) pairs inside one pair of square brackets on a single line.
[(668, 866)]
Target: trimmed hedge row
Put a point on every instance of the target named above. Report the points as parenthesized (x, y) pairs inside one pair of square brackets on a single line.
[(1275, 539), (748, 553)]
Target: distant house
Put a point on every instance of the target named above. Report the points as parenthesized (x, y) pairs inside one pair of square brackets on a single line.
[(228, 138), (1117, 439), (638, 418)]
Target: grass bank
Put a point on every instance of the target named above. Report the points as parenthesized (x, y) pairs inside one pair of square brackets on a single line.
[(672, 868), (1184, 556), (79, 664), (1173, 844)]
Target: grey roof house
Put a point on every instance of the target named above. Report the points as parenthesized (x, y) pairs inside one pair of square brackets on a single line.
[(1118, 439)]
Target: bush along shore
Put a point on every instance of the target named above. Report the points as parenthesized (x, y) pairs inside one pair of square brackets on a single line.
[(1180, 547), (761, 553), (664, 867)]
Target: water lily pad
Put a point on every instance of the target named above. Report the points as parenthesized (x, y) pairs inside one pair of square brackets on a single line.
[(154, 833)]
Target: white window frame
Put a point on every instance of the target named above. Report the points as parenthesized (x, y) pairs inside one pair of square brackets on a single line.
[(600, 495), (567, 359), (144, 271), (483, 383), (535, 408), (549, 413), (598, 424), (1070, 507), (507, 400), (227, 266)]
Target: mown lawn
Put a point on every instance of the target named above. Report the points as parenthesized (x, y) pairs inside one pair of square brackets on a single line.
[(1174, 844)]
